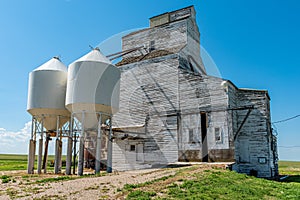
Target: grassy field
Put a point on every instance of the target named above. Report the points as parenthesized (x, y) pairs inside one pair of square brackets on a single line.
[(212, 184), (219, 184), (289, 167), (10, 162), (13, 162)]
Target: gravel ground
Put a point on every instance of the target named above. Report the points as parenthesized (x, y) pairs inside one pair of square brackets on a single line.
[(105, 187)]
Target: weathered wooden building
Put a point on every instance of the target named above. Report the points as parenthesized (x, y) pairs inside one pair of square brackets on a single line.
[(171, 110)]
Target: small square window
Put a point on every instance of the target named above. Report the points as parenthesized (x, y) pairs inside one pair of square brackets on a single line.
[(171, 118), (132, 147), (262, 160)]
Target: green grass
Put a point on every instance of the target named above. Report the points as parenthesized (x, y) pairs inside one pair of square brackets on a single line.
[(214, 184), (129, 187), (18, 162), (13, 162), (5, 178), (141, 195), (230, 185), (56, 179), (289, 167)]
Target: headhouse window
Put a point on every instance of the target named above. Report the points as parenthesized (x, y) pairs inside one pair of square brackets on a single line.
[(132, 147), (152, 46)]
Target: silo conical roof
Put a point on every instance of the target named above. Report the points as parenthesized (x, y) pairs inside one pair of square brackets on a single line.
[(96, 56), (53, 64)]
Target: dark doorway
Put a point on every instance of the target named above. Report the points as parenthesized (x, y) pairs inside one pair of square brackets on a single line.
[(204, 137)]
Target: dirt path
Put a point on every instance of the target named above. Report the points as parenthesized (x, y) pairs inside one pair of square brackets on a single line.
[(104, 187)]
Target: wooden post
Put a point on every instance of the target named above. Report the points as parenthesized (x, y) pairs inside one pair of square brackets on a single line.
[(46, 153)]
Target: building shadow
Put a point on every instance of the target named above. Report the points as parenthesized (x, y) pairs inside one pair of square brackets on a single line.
[(290, 179)]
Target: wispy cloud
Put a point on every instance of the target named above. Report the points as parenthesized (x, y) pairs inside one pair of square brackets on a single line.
[(15, 141)]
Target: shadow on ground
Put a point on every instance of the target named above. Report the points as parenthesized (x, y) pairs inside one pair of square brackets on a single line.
[(292, 178)]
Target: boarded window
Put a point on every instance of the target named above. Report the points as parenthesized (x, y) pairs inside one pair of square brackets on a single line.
[(134, 153), (191, 136), (171, 118), (130, 154), (244, 151), (140, 153), (218, 135)]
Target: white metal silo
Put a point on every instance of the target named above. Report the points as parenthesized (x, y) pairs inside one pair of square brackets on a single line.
[(93, 86), (46, 104), (92, 97), (47, 92)]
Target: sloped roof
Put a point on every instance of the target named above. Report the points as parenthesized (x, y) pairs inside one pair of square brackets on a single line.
[(53, 64), (94, 55), (152, 54)]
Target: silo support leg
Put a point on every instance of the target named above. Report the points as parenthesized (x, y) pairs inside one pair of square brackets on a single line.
[(40, 156), (59, 156), (81, 156), (74, 154), (98, 147), (109, 151), (58, 152), (69, 156), (31, 157), (98, 156)]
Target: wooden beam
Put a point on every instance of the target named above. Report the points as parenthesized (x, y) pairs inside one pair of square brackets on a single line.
[(241, 126)]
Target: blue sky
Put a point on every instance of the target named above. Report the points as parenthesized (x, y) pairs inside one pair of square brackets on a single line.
[(254, 43)]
